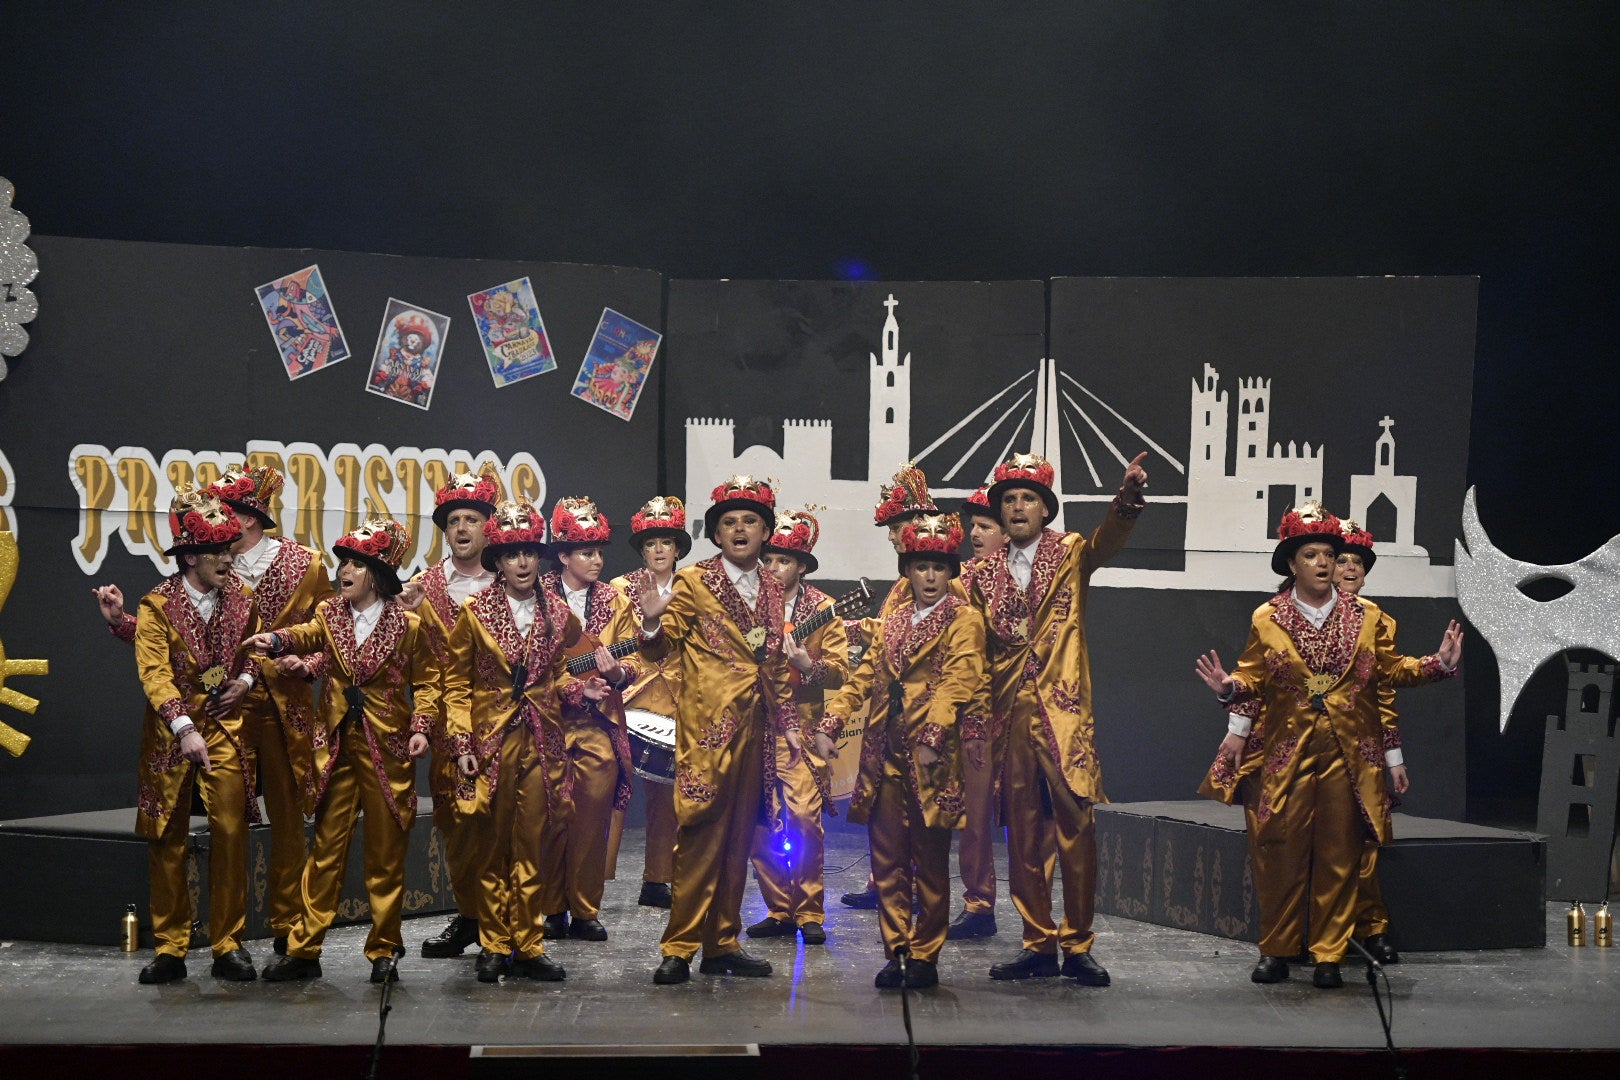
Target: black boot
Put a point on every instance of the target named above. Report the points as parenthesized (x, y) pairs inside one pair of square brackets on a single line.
[(164, 968), (290, 968), (490, 966), (655, 894), (674, 969), (1270, 969), (1027, 965), (735, 963), (279, 945), (769, 927), (586, 930), (866, 899), (1326, 976), (1083, 968), (972, 924), (889, 977), (1381, 949), (921, 974), (234, 966), (813, 933), (555, 926), (384, 969), (453, 940), (541, 968)]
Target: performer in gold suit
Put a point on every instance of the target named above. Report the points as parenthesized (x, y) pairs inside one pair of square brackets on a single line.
[(195, 672), (788, 864), (505, 692), (899, 501), (724, 620), (573, 854), (1033, 596), (975, 855), (1350, 572), (658, 533), (925, 677), (378, 708), (460, 509), (1315, 659)]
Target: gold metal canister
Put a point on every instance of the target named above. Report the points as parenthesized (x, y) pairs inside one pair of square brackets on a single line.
[(1576, 921), (130, 931), (1603, 927)]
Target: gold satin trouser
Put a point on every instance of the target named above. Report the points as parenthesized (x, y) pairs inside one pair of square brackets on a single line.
[(975, 855), (659, 862), (1372, 917), (460, 854), (908, 857), (284, 801), (711, 857), (573, 853), (508, 836), (224, 795), (790, 882), (1037, 842), (1312, 857), (354, 789)]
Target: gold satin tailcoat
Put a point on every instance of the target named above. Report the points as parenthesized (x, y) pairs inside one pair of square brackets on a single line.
[(657, 685), (940, 664), (1366, 670), (727, 683), (1039, 665)]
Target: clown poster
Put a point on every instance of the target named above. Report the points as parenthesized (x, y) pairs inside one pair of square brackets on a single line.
[(405, 364), (512, 332), (616, 366), (299, 312)]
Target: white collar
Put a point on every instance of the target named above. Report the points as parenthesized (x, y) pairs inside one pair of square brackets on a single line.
[(1316, 615), (1027, 550), (452, 572), (919, 614), (567, 592), (197, 598), (526, 602), (368, 614), (737, 573), (666, 588)]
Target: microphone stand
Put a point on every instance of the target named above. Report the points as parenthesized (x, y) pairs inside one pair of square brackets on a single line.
[(1374, 970)]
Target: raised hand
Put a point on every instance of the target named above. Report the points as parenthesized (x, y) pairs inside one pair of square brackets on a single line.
[(1450, 651), (110, 599), (1135, 481), (411, 595), (1214, 675)]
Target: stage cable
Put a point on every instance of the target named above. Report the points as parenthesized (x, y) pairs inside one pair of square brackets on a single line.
[(1375, 970), (902, 954), (384, 1007)]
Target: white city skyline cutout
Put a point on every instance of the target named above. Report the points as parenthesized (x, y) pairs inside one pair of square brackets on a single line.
[(1228, 515)]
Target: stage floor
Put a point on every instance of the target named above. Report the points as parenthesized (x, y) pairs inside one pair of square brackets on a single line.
[(1171, 988)]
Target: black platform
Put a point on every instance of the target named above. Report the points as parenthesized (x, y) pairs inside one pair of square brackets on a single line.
[(1448, 885), (70, 876)]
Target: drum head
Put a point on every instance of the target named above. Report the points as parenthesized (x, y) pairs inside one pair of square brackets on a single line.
[(651, 726)]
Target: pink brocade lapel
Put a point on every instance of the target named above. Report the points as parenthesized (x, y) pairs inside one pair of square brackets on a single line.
[(185, 619), (363, 662), (281, 580), (437, 591), (767, 610), (1330, 649), (537, 649)]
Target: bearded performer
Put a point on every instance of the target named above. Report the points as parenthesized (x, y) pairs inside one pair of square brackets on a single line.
[(925, 678), (788, 865), (460, 509), (189, 652), (1315, 661), (379, 706), (724, 620), (1033, 597), (975, 853), (573, 853), (658, 533)]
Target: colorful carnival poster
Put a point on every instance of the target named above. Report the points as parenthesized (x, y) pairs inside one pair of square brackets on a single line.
[(512, 332), (410, 344), (299, 312), (616, 366)]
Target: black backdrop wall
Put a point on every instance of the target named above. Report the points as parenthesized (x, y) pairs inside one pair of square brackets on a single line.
[(924, 141)]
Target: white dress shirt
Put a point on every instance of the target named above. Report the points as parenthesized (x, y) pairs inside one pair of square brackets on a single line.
[(460, 586), (919, 614), (1021, 561), (746, 582), (522, 613), (1316, 616), (576, 600), (251, 564), (365, 621)]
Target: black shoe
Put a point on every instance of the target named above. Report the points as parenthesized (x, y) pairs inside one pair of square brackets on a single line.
[(555, 926), (673, 970), (384, 969), (655, 894), (1027, 965), (541, 968), (889, 977), (234, 966), (1270, 969), (866, 899), (735, 963), (1084, 969), (769, 927), (490, 966), (813, 933), (1326, 976), (452, 940), (279, 945), (289, 968), (586, 930), (972, 924), (1381, 949), (921, 974), (163, 968)]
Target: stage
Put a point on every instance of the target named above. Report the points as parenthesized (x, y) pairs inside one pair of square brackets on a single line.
[(1172, 988)]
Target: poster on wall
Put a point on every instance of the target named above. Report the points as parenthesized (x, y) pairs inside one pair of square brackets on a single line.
[(405, 363), (512, 332), (299, 312), (616, 366)]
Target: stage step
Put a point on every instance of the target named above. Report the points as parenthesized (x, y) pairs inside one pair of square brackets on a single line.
[(71, 876), (1448, 884)]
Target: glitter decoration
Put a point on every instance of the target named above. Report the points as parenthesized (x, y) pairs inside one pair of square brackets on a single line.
[(1524, 633), (18, 268)]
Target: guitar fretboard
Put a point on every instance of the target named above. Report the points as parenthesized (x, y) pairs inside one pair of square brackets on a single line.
[(586, 662)]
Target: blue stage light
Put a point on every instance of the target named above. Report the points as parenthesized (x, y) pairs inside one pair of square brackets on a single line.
[(853, 269)]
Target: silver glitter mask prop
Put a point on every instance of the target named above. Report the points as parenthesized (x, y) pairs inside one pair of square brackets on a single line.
[(18, 267), (1522, 632)]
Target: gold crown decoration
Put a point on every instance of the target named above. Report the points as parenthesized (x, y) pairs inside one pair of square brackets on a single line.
[(467, 491), (251, 488), (197, 519), (576, 520), (932, 534), (382, 539), (906, 493)]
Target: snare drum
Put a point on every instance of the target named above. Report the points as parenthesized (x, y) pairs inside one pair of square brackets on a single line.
[(652, 745)]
